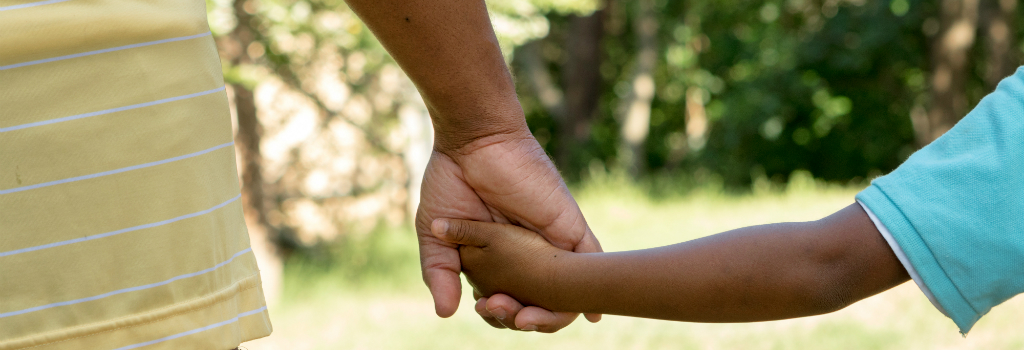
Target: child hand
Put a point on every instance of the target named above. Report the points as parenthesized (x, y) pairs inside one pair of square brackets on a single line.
[(507, 259)]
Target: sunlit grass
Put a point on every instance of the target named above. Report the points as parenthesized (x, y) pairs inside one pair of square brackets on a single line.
[(371, 296)]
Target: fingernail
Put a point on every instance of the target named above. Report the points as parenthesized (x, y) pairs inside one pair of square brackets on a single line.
[(530, 328), (444, 226), (498, 313)]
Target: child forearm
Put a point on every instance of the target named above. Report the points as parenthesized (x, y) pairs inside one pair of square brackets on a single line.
[(751, 274)]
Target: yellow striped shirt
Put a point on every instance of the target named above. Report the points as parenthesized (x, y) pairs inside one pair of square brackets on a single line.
[(120, 221)]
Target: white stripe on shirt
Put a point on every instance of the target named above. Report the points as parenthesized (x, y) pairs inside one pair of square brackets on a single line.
[(111, 110), (115, 171), (126, 290), (114, 233), (96, 52), (31, 4), (194, 331)]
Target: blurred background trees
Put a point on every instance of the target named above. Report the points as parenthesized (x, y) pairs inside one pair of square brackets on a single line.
[(332, 137)]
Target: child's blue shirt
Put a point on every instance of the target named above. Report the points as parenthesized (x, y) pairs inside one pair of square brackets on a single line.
[(956, 207)]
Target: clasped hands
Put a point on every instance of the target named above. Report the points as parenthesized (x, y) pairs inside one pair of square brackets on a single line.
[(506, 179)]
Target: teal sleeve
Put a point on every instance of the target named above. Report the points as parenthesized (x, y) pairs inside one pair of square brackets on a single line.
[(956, 207)]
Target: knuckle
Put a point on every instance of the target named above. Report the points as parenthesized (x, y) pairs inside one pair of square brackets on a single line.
[(457, 231)]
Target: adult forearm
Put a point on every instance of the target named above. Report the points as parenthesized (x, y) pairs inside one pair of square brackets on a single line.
[(449, 50), (757, 273)]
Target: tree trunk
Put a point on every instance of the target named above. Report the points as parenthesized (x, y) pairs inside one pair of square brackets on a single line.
[(957, 30), (539, 78), (1002, 58), (582, 76), (247, 147), (636, 108)]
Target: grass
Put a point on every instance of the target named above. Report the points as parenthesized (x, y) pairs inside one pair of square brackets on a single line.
[(370, 296)]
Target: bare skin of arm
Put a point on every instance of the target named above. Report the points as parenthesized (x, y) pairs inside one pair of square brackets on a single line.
[(486, 165), (450, 52), (757, 273)]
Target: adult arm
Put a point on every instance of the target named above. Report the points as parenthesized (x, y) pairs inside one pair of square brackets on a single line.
[(486, 165), (450, 52), (757, 273)]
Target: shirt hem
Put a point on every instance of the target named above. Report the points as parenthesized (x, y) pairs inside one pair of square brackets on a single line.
[(92, 333), (902, 256), (954, 304)]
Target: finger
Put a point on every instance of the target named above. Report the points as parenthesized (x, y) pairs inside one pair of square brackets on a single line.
[(481, 309), (544, 321), (441, 268), (464, 232), (504, 309), (445, 287), (593, 318)]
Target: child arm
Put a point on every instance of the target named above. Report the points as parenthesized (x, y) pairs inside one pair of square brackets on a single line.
[(757, 273)]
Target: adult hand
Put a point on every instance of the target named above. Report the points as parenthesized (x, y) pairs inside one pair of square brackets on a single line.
[(505, 178), (486, 165)]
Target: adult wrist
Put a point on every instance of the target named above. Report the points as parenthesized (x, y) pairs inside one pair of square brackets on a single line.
[(463, 132)]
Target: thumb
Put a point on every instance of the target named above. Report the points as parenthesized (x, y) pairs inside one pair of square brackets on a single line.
[(464, 232), (588, 244)]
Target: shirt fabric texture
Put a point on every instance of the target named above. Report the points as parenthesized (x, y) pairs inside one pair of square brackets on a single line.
[(956, 207), (120, 221), (902, 257)]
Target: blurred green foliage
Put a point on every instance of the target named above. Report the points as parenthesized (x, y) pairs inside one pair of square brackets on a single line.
[(826, 86), (746, 94)]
